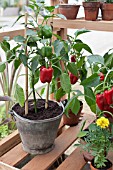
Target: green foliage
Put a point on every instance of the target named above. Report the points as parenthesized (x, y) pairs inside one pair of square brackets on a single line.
[(65, 83), (109, 1), (72, 68), (98, 141), (4, 129), (73, 105), (19, 95), (91, 81), (90, 98)]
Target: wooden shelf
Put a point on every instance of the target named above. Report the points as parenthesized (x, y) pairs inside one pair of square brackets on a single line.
[(98, 25)]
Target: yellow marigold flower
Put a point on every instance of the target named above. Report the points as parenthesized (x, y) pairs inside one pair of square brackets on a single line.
[(102, 122)]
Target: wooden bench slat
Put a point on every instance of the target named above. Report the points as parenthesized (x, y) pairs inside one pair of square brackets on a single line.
[(43, 162), (4, 166), (74, 161), (9, 142), (14, 156)]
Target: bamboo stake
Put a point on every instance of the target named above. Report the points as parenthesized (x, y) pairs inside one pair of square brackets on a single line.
[(26, 70), (47, 96)]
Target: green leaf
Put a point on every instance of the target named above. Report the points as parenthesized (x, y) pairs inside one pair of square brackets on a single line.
[(31, 32), (95, 59), (80, 31), (59, 94), (18, 19), (75, 105), (2, 67), (72, 104), (80, 46), (6, 38), (19, 38), (108, 60), (58, 46), (90, 98), (61, 16), (50, 8), (65, 82), (34, 64), (72, 68), (42, 91), (10, 56), (82, 134), (57, 71), (23, 58), (5, 46), (80, 62), (19, 95), (17, 63), (91, 81)]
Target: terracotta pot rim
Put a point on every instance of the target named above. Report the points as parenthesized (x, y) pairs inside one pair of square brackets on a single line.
[(107, 6), (94, 168), (68, 6), (91, 4)]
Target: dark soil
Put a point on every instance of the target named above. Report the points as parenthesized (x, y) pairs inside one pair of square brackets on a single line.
[(52, 111)]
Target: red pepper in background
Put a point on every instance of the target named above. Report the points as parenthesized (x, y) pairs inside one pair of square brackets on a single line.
[(73, 78), (101, 76), (100, 101), (109, 109), (46, 74), (109, 96), (73, 58)]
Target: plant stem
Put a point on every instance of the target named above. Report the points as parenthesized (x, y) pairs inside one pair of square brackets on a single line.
[(34, 93), (47, 96), (68, 96), (26, 69)]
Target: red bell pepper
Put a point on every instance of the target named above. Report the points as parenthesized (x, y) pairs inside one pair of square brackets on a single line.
[(46, 74), (73, 58), (100, 101), (73, 78), (109, 96), (101, 76)]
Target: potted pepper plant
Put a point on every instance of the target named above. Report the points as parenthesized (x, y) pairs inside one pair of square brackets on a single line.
[(74, 71), (98, 140), (35, 117), (99, 83)]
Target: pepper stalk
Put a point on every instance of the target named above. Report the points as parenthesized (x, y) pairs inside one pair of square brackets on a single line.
[(26, 68)]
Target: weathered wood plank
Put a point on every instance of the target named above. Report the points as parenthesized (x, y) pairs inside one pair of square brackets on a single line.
[(43, 162), (14, 156), (9, 142), (74, 161), (4, 166)]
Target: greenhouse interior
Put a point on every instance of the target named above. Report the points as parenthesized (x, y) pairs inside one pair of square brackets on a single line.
[(58, 53)]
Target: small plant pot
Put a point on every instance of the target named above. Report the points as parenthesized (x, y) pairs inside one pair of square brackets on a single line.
[(87, 155), (107, 11), (91, 10), (108, 166), (69, 11), (37, 135), (73, 119)]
